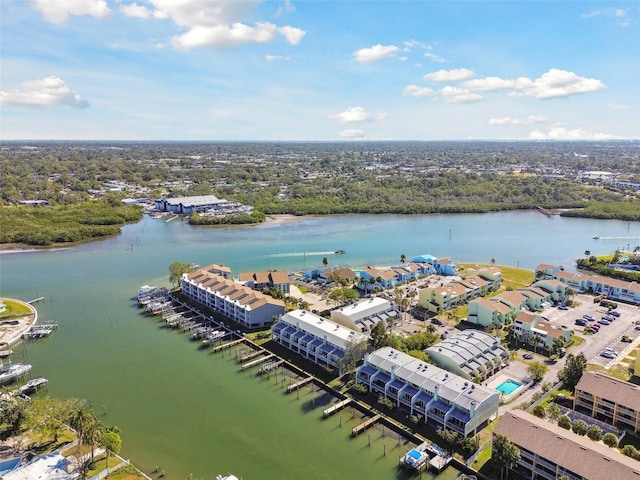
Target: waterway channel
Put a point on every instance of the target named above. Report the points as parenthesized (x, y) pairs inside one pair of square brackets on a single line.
[(191, 412)]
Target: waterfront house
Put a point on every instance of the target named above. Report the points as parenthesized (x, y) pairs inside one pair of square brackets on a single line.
[(549, 452), (545, 271), (440, 266), (261, 280), (440, 398), (238, 303), (609, 399), (219, 270), (364, 314), (315, 338), (442, 298), (471, 354)]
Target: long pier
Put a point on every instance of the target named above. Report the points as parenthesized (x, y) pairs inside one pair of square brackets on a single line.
[(297, 385), (338, 406), (30, 302), (543, 210), (256, 362), (225, 345), (364, 425)]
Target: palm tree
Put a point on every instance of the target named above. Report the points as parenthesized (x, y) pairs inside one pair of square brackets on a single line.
[(535, 340), (372, 282), (325, 261), (92, 434), (403, 258), (80, 418)]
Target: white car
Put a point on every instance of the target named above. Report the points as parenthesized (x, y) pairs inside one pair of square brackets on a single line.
[(607, 354)]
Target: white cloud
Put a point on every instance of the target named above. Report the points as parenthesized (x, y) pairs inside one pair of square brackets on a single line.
[(618, 14), (375, 53), (434, 57), (530, 120), (416, 91), (552, 84), (455, 75), (558, 132), (287, 7), (44, 93), (488, 84), (353, 134), (459, 95), (357, 114), (273, 58), (135, 10), (292, 34), (58, 11), (220, 24)]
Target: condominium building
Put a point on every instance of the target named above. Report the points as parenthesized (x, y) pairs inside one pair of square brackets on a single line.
[(440, 398), (471, 354), (609, 399), (260, 280), (240, 304), (550, 452), (315, 338), (364, 314)]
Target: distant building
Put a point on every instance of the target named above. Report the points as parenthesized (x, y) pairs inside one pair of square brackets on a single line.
[(549, 452), (315, 338), (443, 399), (470, 354), (204, 204)]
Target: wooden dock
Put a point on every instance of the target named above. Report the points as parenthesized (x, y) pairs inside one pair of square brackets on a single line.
[(338, 406), (297, 385), (544, 211), (270, 366), (256, 361), (250, 355), (225, 345), (364, 425)]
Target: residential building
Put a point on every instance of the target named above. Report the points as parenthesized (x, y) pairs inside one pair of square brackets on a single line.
[(470, 354), (240, 304), (539, 332), (550, 452), (488, 312), (440, 398), (447, 296), (364, 314), (219, 270), (261, 280), (609, 399), (315, 338), (442, 266)]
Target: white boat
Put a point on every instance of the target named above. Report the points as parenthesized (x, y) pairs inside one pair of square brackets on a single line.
[(12, 372), (33, 385), (227, 477)]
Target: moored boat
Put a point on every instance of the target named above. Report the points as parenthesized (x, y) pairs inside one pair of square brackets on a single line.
[(12, 372)]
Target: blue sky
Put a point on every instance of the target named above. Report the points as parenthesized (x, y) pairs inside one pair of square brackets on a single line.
[(319, 70)]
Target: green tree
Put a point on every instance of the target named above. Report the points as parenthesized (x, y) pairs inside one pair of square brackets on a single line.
[(403, 258), (325, 261), (111, 442), (564, 422), (610, 440), (630, 451), (537, 371), (80, 417), (354, 352), (539, 411), (579, 426), (177, 269), (594, 432), (92, 435), (574, 367), (553, 412), (504, 454)]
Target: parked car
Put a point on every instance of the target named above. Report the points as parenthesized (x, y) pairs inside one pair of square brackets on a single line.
[(602, 321), (595, 326), (581, 321), (527, 356), (587, 317), (614, 313), (610, 318), (626, 338), (609, 355), (563, 307)]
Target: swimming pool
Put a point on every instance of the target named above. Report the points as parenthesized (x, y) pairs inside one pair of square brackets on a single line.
[(9, 465), (508, 386)]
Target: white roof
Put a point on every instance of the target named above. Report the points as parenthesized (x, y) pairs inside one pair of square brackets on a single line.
[(322, 328), (195, 200), (49, 467), (365, 308)]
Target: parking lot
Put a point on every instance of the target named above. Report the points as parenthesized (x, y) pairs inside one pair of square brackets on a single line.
[(608, 336)]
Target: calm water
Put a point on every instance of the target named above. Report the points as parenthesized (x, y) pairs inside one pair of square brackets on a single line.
[(191, 412)]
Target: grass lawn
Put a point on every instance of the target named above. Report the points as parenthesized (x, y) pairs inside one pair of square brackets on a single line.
[(100, 463), (128, 472), (511, 276), (14, 309)]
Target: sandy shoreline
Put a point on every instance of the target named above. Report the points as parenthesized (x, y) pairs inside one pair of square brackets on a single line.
[(283, 219)]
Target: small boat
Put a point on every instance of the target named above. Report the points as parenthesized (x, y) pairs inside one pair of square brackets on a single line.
[(340, 252), (13, 372), (596, 237), (33, 385), (227, 477), (6, 353)]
